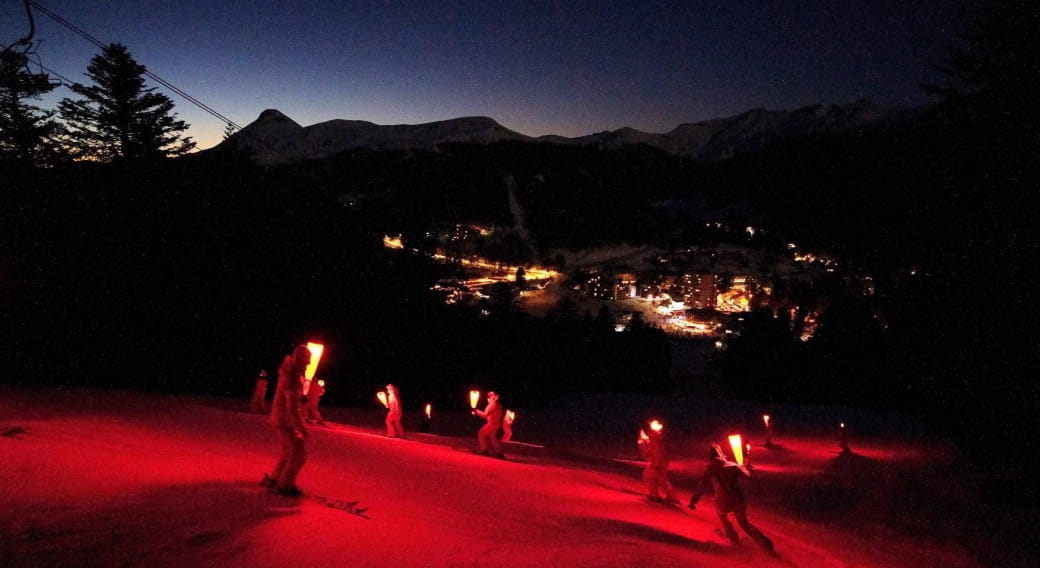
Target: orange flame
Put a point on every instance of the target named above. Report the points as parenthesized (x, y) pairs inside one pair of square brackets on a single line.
[(765, 418), (656, 425), (316, 350), (738, 448), (429, 410), (474, 398), (510, 416), (382, 398)]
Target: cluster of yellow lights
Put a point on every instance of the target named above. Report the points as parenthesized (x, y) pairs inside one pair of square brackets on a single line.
[(532, 273)]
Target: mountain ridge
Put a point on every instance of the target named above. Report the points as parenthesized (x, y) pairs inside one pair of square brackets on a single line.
[(274, 138)]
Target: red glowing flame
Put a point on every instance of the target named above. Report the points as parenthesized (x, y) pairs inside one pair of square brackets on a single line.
[(382, 398), (474, 398)]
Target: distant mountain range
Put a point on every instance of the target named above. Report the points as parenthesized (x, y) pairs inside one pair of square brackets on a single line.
[(274, 138)]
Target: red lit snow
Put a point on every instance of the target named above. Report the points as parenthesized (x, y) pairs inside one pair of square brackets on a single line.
[(99, 478)]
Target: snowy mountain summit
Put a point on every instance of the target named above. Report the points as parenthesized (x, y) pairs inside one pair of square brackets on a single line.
[(274, 138)]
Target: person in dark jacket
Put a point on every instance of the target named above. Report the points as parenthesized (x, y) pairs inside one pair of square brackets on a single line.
[(258, 404), (287, 420), (310, 409), (724, 476)]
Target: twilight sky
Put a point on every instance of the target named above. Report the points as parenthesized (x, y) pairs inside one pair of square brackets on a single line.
[(561, 67)]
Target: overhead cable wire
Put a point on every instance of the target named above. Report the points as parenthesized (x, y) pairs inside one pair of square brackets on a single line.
[(27, 40), (147, 73)]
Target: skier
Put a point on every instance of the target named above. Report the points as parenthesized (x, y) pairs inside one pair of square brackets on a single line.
[(655, 475), (313, 398), (287, 420), (724, 476), (487, 437), (394, 429), (259, 402), (507, 426)]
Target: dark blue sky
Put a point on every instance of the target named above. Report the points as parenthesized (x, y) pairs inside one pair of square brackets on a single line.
[(568, 68)]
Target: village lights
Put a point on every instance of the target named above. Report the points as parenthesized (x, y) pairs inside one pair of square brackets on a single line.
[(474, 398)]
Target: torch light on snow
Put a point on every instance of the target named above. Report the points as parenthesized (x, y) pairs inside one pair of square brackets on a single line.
[(382, 398), (474, 398), (737, 446), (316, 350), (428, 410), (769, 430)]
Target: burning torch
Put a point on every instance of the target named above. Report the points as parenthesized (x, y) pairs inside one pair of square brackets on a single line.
[(474, 398), (381, 395), (743, 460), (316, 350), (769, 430), (427, 415)]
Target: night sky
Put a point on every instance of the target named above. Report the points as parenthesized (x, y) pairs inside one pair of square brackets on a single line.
[(568, 68)]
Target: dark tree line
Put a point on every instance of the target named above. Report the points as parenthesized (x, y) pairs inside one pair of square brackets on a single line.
[(117, 116)]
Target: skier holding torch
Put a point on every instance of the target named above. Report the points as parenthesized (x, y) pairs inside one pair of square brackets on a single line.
[(655, 475), (487, 437), (287, 420), (394, 429), (724, 475)]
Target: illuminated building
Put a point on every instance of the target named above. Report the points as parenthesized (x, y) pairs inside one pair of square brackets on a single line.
[(699, 290)]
